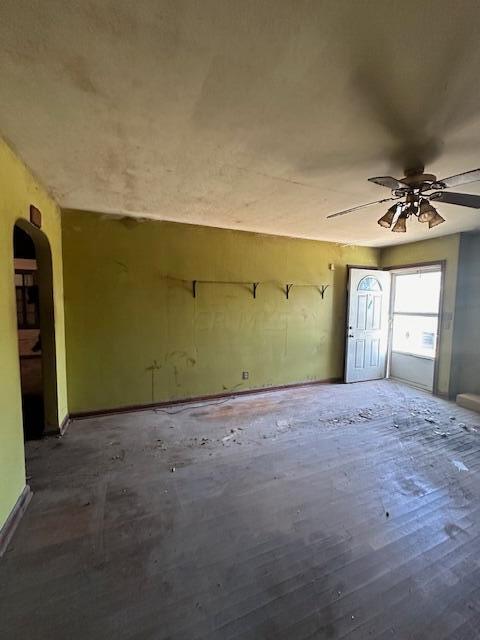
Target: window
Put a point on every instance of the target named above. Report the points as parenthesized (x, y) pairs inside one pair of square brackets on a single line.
[(417, 292), (369, 283), (415, 313), (26, 291)]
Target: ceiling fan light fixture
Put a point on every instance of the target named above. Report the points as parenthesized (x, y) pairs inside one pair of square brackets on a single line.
[(413, 197), (435, 221), (401, 224), (426, 212), (411, 210), (387, 219)]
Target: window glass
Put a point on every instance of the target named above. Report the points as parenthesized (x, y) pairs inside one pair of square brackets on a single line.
[(417, 292), (27, 300), (20, 318), (369, 283), (415, 334)]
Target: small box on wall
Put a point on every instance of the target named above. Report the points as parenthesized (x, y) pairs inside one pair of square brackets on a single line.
[(35, 216)]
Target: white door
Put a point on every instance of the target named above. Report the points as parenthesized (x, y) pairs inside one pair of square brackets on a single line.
[(367, 325)]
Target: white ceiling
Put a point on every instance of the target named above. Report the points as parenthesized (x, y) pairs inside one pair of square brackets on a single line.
[(264, 115)]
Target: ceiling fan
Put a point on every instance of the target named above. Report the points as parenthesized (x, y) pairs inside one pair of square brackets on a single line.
[(413, 195)]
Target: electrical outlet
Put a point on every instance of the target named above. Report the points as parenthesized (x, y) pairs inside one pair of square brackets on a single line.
[(244, 375)]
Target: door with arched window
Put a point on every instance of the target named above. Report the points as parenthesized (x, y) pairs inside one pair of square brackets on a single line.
[(367, 327)]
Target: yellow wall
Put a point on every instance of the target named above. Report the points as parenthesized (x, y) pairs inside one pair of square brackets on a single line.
[(18, 189), (445, 248), (129, 307)]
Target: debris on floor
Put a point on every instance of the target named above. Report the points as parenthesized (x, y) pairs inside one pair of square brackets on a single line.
[(170, 442), (459, 465), (468, 428), (367, 414), (232, 435)]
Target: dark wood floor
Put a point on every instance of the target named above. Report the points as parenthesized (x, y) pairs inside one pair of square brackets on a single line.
[(322, 512)]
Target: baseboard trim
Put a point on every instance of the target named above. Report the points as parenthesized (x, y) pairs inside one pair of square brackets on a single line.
[(57, 431), (8, 529), (80, 415), (409, 383), (64, 424)]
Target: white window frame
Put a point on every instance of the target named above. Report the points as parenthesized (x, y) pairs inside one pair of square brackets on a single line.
[(400, 271)]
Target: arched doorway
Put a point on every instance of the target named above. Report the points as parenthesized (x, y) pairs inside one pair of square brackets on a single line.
[(36, 329)]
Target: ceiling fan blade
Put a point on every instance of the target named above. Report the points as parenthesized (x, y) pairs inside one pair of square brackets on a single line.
[(461, 199), (388, 181), (360, 206), (461, 178)]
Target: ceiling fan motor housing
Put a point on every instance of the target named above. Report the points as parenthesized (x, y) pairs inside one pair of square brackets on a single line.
[(417, 182)]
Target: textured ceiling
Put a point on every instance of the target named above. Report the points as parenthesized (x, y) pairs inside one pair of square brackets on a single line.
[(264, 115)]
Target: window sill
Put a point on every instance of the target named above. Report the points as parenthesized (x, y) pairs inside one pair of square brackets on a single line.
[(413, 355)]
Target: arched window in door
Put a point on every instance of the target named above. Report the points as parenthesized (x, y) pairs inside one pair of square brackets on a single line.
[(369, 283)]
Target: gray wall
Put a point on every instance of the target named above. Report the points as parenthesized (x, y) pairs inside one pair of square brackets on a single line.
[(465, 373)]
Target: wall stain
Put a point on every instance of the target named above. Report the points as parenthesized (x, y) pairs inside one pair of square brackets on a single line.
[(122, 265), (77, 69), (153, 368), (452, 530)]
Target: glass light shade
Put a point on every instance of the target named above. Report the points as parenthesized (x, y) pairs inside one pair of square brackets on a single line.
[(427, 212), (401, 224), (387, 219), (435, 221)]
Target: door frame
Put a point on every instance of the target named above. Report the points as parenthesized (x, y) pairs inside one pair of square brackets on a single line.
[(406, 267), (43, 255)]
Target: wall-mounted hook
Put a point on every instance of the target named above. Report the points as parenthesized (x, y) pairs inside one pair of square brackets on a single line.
[(194, 288), (255, 285), (287, 289), (323, 288)]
